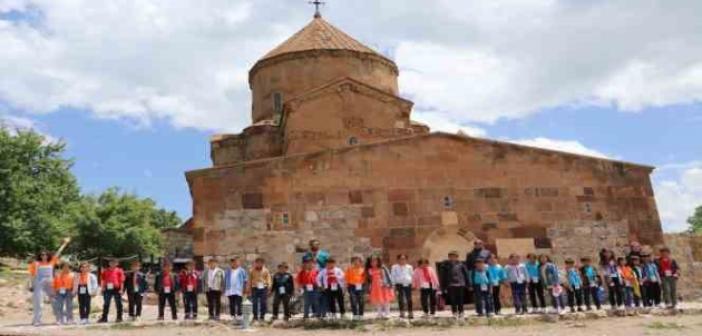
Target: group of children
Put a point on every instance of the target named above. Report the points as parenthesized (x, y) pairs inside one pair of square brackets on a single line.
[(639, 281), (323, 285)]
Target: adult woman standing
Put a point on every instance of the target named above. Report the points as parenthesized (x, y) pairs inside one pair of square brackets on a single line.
[(41, 276)]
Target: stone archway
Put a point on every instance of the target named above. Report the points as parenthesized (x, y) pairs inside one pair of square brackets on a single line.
[(445, 239)]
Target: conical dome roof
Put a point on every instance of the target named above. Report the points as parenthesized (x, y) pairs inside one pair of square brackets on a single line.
[(319, 35)]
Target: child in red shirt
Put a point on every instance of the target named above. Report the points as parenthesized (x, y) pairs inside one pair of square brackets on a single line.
[(188, 280), (307, 281), (111, 281), (669, 272)]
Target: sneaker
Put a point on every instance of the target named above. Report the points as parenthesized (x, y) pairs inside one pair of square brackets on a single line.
[(410, 316), (102, 320)]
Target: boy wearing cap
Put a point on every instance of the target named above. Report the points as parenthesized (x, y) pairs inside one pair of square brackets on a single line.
[(455, 281), (111, 281), (283, 289)]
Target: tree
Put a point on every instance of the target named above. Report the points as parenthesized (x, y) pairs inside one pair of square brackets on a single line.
[(36, 190), (119, 224), (695, 220)]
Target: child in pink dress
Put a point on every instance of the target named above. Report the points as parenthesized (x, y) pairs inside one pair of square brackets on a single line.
[(380, 284)]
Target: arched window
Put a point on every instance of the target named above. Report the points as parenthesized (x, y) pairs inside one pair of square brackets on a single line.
[(353, 141)]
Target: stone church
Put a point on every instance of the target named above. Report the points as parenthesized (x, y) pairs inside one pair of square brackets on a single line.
[(332, 153)]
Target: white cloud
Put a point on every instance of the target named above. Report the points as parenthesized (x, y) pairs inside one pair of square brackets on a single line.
[(15, 123), (439, 123), (487, 60), (477, 61), (570, 146), (678, 191)]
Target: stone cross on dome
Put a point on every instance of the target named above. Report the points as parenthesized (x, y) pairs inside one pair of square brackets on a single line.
[(317, 3)]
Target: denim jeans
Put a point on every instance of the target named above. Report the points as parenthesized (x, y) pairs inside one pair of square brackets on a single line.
[(311, 303), (404, 298), (519, 297), (357, 301), (628, 296), (483, 300), (63, 307), (259, 299)]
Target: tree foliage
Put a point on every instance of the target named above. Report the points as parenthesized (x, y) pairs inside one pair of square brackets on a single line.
[(40, 204), (36, 190), (119, 224), (695, 220)]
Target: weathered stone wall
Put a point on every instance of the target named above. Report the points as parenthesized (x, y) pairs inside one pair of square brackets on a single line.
[(255, 142), (293, 74), (177, 243), (421, 195), (345, 112), (687, 250)]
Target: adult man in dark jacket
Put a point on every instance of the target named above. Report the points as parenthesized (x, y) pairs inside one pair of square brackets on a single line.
[(479, 252)]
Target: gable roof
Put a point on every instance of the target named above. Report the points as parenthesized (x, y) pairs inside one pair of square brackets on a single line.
[(317, 91), (319, 35)]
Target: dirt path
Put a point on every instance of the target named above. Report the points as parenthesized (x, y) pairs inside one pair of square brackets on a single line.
[(630, 326), (15, 315)]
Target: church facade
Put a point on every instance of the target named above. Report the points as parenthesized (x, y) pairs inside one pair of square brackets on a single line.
[(332, 153)]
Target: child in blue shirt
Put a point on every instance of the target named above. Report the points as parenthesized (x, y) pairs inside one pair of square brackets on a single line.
[(591, 283), (550, 273), (535, 284), (608, 261), (481, 288), (497, 276), (651, 280), (518, 277), (575, 286)]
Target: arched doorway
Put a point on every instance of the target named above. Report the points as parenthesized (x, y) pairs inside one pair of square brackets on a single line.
[(445, 239)]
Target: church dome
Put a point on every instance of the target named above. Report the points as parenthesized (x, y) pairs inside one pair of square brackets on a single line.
[(320, 35), (312, 57)]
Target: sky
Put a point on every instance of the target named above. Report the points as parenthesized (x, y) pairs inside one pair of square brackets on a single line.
[(135, 88)]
